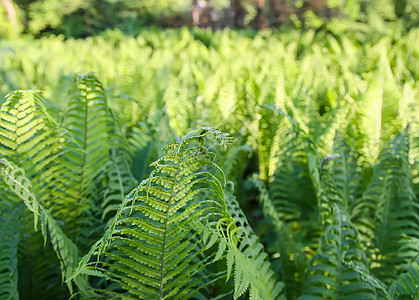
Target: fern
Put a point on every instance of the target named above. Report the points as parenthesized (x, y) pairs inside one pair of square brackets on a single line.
[(89, 124), (332, 275), (388, 209), (346, 173), (250, 257), (372, 118), (289, 174), (31, 136), (338, 93), (149, 249), (9, 239), (289, 169), (119, 180), (407, 284), (266, 134), (292, 209), (64, 248), (235, 163), (292, 252), (245, 257), (340, 269)]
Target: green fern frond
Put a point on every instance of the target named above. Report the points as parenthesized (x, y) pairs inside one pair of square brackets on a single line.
[(289, 169), (88, 121), (346, 173), (330, 124), (235, 163), (293, 210), (141, 141), (269, 208), (388, 210), (328, 193), (64, 248), (293, 253), (147, 140), (119, 180), (371, 120), (291, 172), (9, 239), (40, 273), (266, 133), (407, 284), (333, 275), (263, 283), (150, 249), (340, 269), (30, 135), (379, 115)]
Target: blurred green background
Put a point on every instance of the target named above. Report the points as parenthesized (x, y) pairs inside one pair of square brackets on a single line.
[(82, 18)]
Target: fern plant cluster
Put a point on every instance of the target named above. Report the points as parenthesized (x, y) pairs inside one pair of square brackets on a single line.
[(117, 188)]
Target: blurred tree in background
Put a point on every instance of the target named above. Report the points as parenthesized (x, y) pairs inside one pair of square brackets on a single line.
[(80, 18), (9, 25)]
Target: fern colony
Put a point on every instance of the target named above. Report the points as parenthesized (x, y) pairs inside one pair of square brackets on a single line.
[(117, 186)]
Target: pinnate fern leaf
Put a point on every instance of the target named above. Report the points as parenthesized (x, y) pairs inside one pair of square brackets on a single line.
[(9, 239), (150, 249), (388, 210), (119, 180), (251, 260), (340, 269), (88, 122), (64, 248), (407, 285), (31, 136)]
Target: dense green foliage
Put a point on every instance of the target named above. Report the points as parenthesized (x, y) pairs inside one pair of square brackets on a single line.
[(78, 18), (116, 184)]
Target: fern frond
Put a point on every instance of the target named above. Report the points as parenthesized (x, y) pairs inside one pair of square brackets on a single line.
[(290, 173), (372, 118), (119, 180), (293, 210), (407, 284), (88, 121), (9, 239), (150, 249), (235, 163), (346, 173), (333, 121), (388, 210), (289, 169), (379, 114), (294, 253), (263, 283), (340, 269), (266, 133), (269, 208), (30, 135), (64, 248)]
